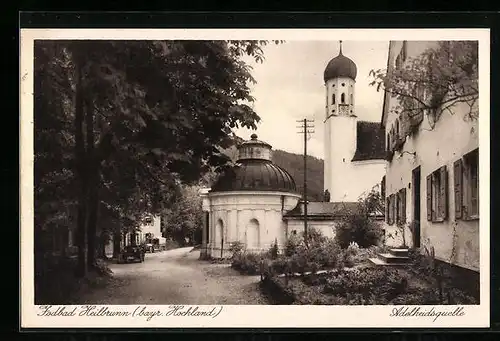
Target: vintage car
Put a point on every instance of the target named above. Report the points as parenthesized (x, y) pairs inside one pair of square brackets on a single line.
[(132, 253)]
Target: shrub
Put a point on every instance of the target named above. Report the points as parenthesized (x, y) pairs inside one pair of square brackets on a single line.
[(292, 244), (324, 255), (359, 225), (236, 248), (247, 263), (314, 237), (327, 255), (382, 282), (274, 251)]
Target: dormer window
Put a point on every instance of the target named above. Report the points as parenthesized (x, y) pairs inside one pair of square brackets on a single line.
[(343, 84)]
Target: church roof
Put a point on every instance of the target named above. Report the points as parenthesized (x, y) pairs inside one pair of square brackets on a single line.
[(370, 141), (322, 210), (340, 66)]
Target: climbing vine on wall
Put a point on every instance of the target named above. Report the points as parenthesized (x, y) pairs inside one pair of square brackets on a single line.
[(434, 81)]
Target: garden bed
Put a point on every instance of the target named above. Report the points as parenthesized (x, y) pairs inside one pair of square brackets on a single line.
[(363, 286)]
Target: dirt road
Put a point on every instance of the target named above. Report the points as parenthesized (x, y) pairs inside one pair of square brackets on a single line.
[(176, 277)]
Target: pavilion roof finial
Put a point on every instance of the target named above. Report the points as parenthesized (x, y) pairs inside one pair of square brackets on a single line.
[(340, 46)]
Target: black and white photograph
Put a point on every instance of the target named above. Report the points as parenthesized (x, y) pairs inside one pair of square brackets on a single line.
[(335, 169)]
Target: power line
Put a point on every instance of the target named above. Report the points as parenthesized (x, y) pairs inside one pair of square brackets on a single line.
[(307, 128)]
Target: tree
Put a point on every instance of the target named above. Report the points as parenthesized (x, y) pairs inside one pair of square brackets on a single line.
[(359, 224), (184, 218), (140, 117), (435, 81)]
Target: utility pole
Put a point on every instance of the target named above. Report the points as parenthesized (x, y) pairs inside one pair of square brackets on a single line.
[(306, 128)]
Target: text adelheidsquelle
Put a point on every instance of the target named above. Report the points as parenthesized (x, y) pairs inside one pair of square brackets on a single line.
[(427, 312), (136, 311)]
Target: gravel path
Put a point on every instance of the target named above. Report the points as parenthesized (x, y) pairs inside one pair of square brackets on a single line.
[(176, 277)]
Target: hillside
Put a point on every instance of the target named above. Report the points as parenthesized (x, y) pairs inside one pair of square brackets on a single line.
[(294, 164)]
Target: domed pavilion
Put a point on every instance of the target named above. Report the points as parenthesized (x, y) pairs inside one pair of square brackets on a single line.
[(247, 203)]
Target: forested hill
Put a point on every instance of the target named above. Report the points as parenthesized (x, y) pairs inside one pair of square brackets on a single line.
[(294, 164)]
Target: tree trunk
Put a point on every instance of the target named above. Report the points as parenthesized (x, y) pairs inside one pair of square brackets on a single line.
[(92, 227), (116, 244), (93, 183), (103, 241), (81, 239)]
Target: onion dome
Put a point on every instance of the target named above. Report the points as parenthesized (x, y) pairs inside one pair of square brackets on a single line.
[(340, 66), (255, 171)]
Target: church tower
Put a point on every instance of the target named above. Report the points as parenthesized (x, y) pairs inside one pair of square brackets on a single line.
[(340, 127)]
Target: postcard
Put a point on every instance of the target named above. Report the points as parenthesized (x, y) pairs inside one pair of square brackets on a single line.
[(326, 178)]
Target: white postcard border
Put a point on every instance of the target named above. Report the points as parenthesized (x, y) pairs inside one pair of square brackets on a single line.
[(271, 316)]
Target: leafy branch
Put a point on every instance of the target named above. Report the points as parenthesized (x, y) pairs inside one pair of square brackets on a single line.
[(435, 81)]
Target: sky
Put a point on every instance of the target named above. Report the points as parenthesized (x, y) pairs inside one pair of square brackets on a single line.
[(290, 87)]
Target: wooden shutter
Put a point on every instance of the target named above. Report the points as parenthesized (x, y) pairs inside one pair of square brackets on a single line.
[(443, 192), (403, 205), (387, 211), (458, 186), (393, 138), (396, 207), (391, 209), (390, 140), (382, 187), (429, 197)]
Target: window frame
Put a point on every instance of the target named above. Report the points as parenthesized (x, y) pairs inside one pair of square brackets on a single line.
[(467, 180), (437, 195)]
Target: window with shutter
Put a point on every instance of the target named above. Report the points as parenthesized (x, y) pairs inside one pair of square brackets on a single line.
[(437, 195), (457, 184), (429, 197), (470, 179)]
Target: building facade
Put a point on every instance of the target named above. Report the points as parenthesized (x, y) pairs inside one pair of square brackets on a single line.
[(432, 176)]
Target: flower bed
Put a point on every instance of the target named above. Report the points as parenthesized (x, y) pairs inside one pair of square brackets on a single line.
[(366, 286), (321, 253)]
